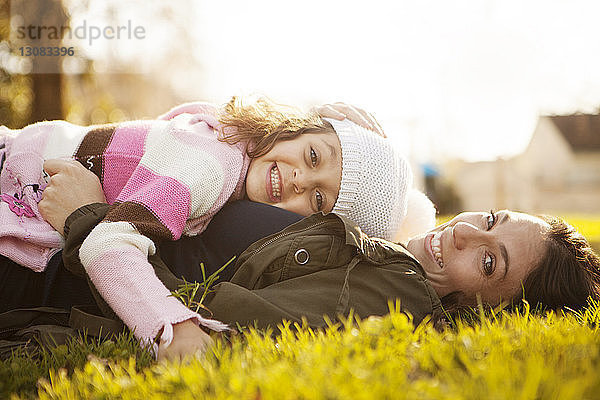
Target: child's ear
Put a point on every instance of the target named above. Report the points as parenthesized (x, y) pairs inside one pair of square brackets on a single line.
[(420, 216)]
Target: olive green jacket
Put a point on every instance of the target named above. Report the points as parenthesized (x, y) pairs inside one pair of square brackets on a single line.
[(320, 266)]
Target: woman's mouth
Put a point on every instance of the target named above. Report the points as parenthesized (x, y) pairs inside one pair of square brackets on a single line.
[(274, 185), (434, 247)]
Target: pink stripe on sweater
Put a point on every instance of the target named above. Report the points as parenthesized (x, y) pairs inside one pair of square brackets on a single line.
[(122, 156), (167, 198)]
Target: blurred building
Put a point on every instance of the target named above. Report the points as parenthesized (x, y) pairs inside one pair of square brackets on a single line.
[(558, 172)]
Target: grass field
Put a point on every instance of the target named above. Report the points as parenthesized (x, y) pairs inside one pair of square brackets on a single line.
[(503, 356), (523, 355)]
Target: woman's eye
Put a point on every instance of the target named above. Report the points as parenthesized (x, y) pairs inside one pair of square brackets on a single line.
[(319, 199), (313, 157), (491, 220), (488, 264)]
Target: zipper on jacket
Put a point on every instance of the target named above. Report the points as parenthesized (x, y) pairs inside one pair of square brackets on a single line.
[(9, 330)]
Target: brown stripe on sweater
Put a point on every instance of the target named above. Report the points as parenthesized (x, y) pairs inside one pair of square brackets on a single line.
[(91, 150), (144, 220)]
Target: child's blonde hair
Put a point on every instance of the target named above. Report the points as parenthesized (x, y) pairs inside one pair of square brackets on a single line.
[(263, 122)]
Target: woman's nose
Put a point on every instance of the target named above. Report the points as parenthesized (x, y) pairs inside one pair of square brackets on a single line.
[(465, 234)]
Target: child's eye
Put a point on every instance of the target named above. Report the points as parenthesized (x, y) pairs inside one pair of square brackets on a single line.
[(313, 157), (319, 199), (488, 264)]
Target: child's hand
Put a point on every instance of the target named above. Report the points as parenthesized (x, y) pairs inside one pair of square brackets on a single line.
[(339, 111), (188, 339)]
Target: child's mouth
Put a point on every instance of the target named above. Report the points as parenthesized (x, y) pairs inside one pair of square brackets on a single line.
[(274, 184)]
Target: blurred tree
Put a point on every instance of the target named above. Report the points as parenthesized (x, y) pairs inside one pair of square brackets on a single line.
[(15, 87), (31, 88), (108, 84), (46, 71)]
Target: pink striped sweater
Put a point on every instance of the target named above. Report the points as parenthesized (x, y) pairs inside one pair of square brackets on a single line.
[(164, 178)]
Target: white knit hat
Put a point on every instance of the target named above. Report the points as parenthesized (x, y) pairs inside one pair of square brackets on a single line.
[(375, 180)]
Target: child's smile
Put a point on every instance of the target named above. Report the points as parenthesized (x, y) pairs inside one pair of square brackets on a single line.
[(274, 184)]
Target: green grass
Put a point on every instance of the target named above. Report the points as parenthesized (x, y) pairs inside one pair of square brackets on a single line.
[(21, 373), (505, 356)]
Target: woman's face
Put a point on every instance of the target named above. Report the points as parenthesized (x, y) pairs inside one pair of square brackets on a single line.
[(480, 252), (302, 175)]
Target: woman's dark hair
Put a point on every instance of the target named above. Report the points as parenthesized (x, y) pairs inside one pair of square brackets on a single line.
[(569, 272), (567, 275)]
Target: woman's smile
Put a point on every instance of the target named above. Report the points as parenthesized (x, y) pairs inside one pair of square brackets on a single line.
[(434, 243)]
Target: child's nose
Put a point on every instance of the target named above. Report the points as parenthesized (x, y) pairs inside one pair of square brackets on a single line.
[(297, 181), (300, 180)]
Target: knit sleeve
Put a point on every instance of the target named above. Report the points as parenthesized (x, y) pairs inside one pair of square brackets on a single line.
[(181, 176), (115, 257)]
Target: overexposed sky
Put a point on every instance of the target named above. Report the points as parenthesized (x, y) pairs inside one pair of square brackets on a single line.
[(445, 78)]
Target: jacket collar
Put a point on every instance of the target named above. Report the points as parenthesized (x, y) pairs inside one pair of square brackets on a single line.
[(355, 237)]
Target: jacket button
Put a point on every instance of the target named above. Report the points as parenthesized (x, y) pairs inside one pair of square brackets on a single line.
[(410, 272), (301, 256)]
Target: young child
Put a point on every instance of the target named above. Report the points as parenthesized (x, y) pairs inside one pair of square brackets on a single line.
[(169, 176)]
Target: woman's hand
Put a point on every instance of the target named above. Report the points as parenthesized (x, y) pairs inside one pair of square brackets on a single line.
[(71, 186), (188, 339), (339, 111)]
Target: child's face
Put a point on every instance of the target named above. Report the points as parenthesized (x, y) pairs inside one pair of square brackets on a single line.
[(302, 175)]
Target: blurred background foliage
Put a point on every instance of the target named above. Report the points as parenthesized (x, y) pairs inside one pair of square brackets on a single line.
[(79, 92), (15, 89)]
